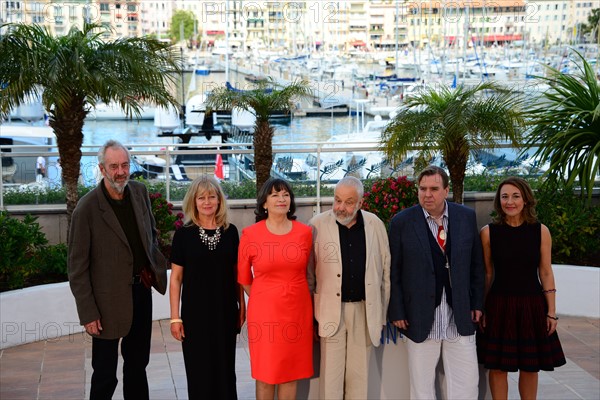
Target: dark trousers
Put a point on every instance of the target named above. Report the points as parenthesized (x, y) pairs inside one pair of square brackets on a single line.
[(135, 348)]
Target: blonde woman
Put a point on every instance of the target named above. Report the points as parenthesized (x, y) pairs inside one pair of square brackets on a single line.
[(203, 276)]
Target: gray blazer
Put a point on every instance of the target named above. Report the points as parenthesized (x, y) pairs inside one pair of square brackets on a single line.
[(100, 261), (413, 277)]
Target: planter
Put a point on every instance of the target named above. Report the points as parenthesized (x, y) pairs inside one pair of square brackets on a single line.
[(577, 290), (47, 312)]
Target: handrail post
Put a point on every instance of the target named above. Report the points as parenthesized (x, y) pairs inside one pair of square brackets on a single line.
[(318, 179), (1, 185), (168, 174)]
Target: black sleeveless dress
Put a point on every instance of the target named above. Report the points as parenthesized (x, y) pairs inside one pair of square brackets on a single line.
[(209, 309), (515, 337)]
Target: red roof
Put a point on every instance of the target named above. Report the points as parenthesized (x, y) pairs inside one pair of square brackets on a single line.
[(501, 38), (491, 38)]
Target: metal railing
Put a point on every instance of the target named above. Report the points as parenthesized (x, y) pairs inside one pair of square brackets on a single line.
[(309, 162), (24, 175)]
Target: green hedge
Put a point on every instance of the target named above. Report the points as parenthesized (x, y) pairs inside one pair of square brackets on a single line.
[(234, 190), (27, 259), (574, 226), (487, 182)]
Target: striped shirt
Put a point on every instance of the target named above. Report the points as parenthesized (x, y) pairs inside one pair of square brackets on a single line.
[(443, 327)]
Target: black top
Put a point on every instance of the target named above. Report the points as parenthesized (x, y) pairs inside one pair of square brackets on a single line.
[(516, 257), (123, 209), (354, 258), (209, 297)]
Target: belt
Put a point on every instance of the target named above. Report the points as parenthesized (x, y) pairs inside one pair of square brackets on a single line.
[(136, 280), (352, 300)]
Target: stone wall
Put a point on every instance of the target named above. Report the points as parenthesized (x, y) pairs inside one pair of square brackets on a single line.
[(53, 218)]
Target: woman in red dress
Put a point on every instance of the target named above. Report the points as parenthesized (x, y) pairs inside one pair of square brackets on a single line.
[(272, 263)]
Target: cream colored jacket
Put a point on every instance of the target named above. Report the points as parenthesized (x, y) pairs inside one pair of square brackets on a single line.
[(325, 274)]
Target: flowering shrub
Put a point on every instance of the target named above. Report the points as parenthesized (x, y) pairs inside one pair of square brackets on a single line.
[(389, 196), (166, 221)]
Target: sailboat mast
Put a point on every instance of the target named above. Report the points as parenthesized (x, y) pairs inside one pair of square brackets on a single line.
[(397, 17), (227, 41), (181, 37)]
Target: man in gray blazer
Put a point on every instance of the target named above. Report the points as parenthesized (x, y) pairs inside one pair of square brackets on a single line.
[(349, 275), (437, 278), (113, 260)]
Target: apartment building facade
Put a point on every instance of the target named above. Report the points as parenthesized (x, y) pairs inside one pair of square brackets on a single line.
[(305, 24)]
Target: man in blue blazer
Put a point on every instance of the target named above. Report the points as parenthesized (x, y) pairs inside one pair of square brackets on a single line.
[(437, 280)]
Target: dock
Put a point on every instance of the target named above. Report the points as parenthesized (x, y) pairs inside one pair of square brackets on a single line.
[(322, 112)]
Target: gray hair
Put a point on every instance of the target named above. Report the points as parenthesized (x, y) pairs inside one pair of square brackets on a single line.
[(114, 144), (352, 182)]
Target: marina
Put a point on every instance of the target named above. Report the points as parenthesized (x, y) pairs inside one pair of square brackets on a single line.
[(334, 134), (307, 150)]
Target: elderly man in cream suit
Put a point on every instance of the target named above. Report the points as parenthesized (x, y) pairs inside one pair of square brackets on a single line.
[(349, 275)]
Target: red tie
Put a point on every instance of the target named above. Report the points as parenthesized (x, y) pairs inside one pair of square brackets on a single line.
[(441, 237)]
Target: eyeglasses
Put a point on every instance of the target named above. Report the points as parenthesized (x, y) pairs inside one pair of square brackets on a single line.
[(115, 167)]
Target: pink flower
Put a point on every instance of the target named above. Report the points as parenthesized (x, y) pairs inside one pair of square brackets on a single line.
[(388, 196)]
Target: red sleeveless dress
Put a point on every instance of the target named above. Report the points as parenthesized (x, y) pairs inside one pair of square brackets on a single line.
[(280, 316)]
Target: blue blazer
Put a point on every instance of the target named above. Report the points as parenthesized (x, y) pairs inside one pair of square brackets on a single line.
[(412, 273)]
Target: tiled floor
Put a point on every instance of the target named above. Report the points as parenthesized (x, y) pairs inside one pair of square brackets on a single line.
[(60, 369)]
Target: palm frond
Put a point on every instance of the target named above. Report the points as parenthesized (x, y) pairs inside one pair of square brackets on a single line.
[(453, 122), (566, 126)]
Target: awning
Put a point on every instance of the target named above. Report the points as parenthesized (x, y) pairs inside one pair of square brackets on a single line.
[(490, 38), (502, 38), (358, 43)]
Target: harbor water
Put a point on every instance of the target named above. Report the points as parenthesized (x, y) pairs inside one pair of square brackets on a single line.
[(142, 135)]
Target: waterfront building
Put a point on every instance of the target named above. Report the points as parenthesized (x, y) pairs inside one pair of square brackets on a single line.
[(155, 17), (333, 25), (58, 17), (122, 17), (557, 21)]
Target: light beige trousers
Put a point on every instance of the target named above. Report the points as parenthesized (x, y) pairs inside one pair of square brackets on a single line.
[(461, 371), (345, 356)]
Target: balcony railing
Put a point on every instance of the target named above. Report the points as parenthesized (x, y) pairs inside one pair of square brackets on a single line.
[(314, 164)]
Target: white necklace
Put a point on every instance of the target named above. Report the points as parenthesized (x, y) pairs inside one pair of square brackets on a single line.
[(211, 241)]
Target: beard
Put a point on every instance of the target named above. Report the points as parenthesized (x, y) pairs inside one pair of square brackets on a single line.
[(119, 187), (345, 218)]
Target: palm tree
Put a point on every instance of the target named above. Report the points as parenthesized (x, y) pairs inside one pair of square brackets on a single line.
[(454, 122), (262, 101), (592, 28), (566, 126), (76, 71)]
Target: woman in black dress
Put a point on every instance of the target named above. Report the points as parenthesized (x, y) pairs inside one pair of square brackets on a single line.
[(204, 262), (520, 308)]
